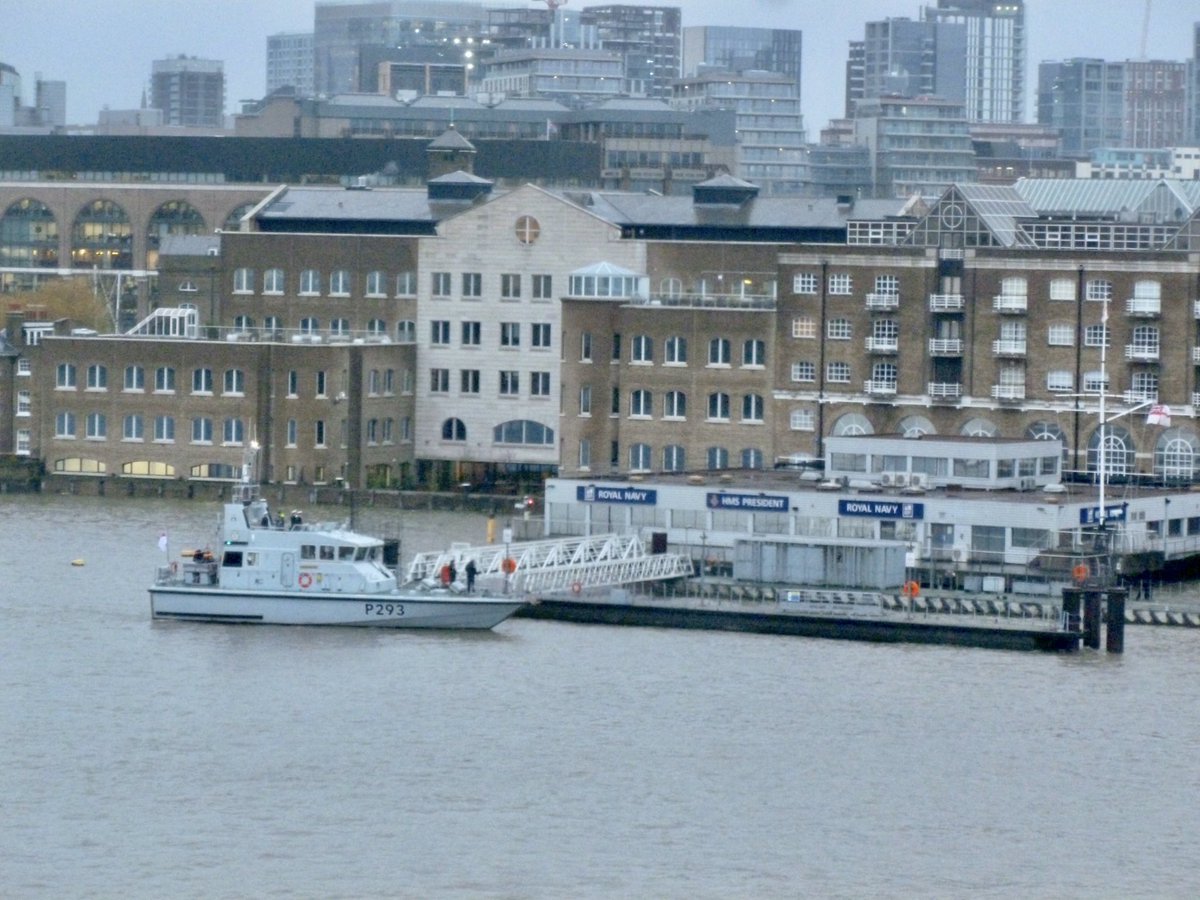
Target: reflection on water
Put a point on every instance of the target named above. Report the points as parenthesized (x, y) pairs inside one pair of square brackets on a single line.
[(176, 759)]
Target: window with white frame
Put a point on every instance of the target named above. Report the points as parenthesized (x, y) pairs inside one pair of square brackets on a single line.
[(319, 433), (376, 284), (585, 347), (639, 458), (440, 284), (233, 432), (543, 287), (243, 281), (202, 381), (675, 405), (24, 403), (804, 371), (1060, 381), (585, 400), (510, 382), (804, 327), (802, 420), (406, 284), (752, 408), (539, 335), (468, 381), (719, 352), (1147, 290), (641, 404), (133, 428), (472, 334), (839, 330), (716, 458), (1014, 286), (1145, 385), (439, 381), (24, 442), (754, 353), (510, 286), (718, 407), (752, 458), (675, 351), (406, 331), (439, 332), (1146, 340), (641, 349), (24, 367), (202, 430), (539, 384), (293, 432), (310, 325), (164, 429), (64, 377), (510, 334), (840, 284), (310, 283), (885, 330), (1099, 289), (376, 327), (674, 458), (1062, 289), (320, 383), (585, 453), (837, 372), (1061, 334), (1096, 336), (472, 285), (164, 380), (97, 377), (234, 382), (97, 426), (1094, 382), (805, 283), (273, 281), (64, 425), (339, 327), (887, 285), (339, 283)]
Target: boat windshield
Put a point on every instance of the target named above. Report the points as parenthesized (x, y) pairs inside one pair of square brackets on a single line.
[(345, 553), (361, 553)]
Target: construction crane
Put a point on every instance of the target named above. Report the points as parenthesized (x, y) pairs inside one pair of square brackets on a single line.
[(555, 4), (1145, 28)]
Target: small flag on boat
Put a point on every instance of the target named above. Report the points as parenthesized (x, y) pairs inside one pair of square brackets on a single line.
[(162, 542), (1160, 414)]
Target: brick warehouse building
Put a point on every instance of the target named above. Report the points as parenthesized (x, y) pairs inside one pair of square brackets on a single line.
[(718, 331)]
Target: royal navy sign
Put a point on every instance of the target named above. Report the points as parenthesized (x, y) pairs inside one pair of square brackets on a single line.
[(881, 509), (594, 493), (754, 502), (1090, 515)]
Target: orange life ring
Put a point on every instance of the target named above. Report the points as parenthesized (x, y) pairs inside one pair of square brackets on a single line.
[(305, 580), (509, 565), (576, 587), (1080, 573), (911, 589)]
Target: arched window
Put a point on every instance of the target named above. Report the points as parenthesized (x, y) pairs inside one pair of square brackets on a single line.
[(752, 408), (641, 404), (979, 428), (233, 221), (717, 458), (1176, 456), (173, 217), (639, 458), (718, 407), (752, 458), (852, 424), (102, 236), (523, 431), (29, 235), (1118, 452), (454, 430), (675, 405), (674, 458), (915, 426)]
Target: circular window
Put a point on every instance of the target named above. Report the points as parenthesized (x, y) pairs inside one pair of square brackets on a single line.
[(527, 229), (953, 215)]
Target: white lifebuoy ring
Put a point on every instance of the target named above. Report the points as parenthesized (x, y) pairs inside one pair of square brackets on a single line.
[(576, 587), (305, 580)]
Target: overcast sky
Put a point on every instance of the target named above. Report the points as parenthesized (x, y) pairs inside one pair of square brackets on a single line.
[(104, 50)]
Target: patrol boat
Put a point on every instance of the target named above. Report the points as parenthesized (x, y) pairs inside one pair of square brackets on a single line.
[(270, 571)]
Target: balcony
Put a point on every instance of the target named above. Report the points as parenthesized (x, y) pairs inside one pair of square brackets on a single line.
[(1010, 303), (1196, 355), (883, 345), (943, 390), (880, 388), (1008, 392), (1137, 396), (1143, 306), (1196, 309), (945, 346), (883, 302), (945, 302), (1195, 400), (1142, 352), (705, 301), (1006, 347)]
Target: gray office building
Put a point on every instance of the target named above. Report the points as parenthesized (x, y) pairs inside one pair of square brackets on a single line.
[(994, 57), (738, 49), (189, 91), (290, 62)]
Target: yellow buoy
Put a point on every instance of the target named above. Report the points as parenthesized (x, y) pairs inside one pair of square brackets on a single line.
[(77, 562)]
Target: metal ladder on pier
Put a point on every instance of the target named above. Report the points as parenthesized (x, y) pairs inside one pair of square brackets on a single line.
[(558, 565)]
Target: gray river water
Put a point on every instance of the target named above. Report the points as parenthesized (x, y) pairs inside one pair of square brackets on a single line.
[(550, 760)]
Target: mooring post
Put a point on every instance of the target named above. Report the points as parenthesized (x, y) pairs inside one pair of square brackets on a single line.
[(1091, 619), (1072, 598), (1115, 635)]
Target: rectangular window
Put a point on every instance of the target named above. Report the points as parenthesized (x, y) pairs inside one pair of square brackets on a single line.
[(472, 285), (321, 384), (539, 335), (292, 432), (887, 285), (510, 383), (1099, 290), (1062, 289), (135, 378), (439, 332), (840, 284), (164, 380), (319, 433), (440, 284), (468, 381), (585, 347), (804, 371), (97, 426), (804, 283), (616, 347), (1060, 381), (293, 383), (542, 289), (839, 330), (510, 287), (510, 334), (585, 453), (24, 403), (585, 400), (310, 283), (1061, 335), (471, 332), (804, 327), (837, 373), (1096, 336), (539, 384), (243, 281), (339, 283), (406, 284), (439, 381), (802, 420)]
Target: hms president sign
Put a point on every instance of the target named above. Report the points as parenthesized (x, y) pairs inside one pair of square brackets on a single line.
[(881, 509), (756, 502)]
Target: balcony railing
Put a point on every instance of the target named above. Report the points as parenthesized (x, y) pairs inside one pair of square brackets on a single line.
[(1143, 306), (702, 301), (883, 344), (944, 390), (1010, 303), (884, 388), (883, 301), (945, 346), (1196, 354), (1008, 392), (945, 302), (1006, 347), (1196, 309), (1195, 400), (1142, 352)]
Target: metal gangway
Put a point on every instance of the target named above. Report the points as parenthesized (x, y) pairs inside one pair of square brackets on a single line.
[(557, 565)]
